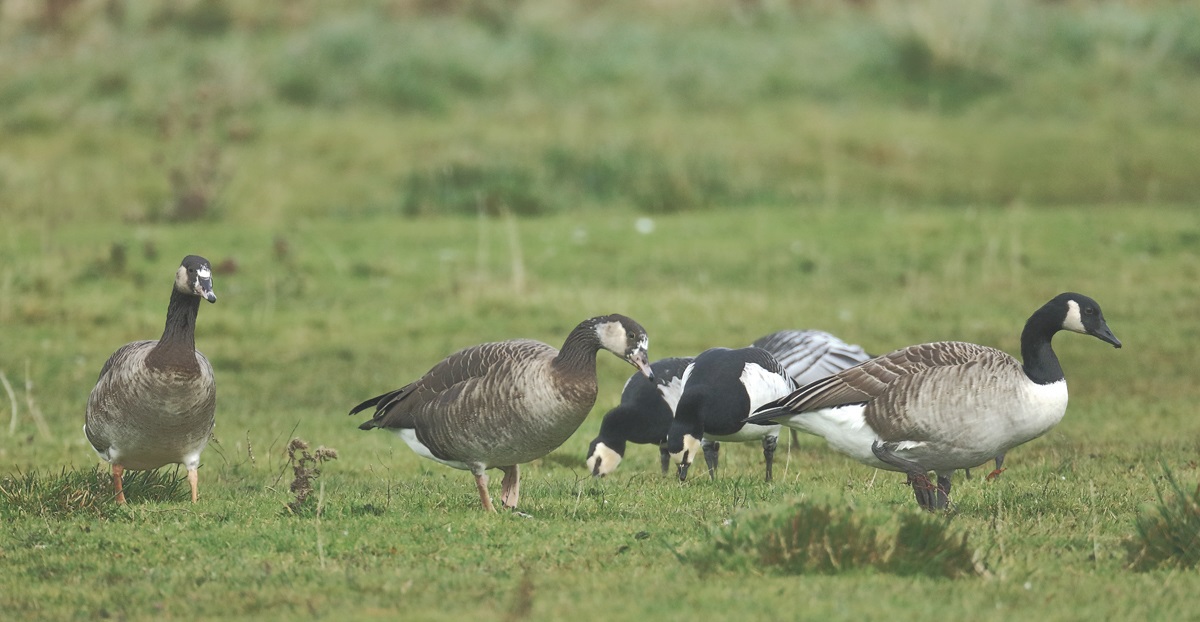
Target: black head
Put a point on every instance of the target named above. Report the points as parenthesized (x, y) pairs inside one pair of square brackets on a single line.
[(625, 338), (194, 278), (1081, 314)]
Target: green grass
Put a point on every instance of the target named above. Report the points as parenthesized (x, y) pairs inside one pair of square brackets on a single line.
[(325, 312), (381, 184)]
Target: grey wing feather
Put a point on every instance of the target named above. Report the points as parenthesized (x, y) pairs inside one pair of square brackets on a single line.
[(809, 355), (446, 384), (871, 379)]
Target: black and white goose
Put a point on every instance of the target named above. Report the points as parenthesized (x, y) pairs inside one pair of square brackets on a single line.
[(497, 405), (946, 405), (643, 416), (155, 401), (720, 389)]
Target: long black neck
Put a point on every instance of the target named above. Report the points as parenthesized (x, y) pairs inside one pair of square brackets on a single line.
[(578, 353), (1038, 358), (177, 346)]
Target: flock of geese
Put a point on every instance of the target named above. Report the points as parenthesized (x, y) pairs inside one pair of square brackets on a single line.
[(933, 407)]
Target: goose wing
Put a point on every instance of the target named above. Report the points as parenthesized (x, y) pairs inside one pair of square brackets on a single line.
[(451, 384), (874, 378), (809, 355)]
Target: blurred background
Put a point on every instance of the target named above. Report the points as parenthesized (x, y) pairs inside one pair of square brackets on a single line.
[(262, 112)]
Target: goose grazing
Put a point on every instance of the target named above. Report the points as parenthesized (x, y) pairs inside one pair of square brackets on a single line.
[(155, 401), (720, 389), (643, 416), (498, 405), (946, 405)]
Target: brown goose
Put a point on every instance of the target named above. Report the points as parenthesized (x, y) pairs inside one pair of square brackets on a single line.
[(497, 405), (155, 400), (943, 406)]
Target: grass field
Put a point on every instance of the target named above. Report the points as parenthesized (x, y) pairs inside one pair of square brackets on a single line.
[(349, 173)]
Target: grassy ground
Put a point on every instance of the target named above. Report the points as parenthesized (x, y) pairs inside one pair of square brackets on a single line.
[(355, 308), (891, 172)]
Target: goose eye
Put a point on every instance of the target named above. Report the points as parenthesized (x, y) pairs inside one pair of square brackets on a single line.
[(1089, 311)]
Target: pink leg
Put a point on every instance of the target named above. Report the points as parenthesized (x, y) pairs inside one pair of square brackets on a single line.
[(481, 481), (510, 486), (117, 472), (194, 482)]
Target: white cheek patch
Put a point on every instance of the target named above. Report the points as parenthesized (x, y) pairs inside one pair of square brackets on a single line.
[(691, 447), (181, 280), (608, 459), (612, 337), (1073, 321), (204, 272)]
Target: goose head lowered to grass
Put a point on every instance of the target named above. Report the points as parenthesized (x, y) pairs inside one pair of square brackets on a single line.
[(497, 405), (946, 405)]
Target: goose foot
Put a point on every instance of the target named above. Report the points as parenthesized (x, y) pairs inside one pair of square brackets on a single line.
[(481, 482), (117, 472), (194, 482), (712, 453), (769, 443), (929, 496), (510, 486), (999, 468)]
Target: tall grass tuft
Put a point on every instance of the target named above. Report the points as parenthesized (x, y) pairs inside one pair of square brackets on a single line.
[(810, 538), (83, 491), (1168, 536)]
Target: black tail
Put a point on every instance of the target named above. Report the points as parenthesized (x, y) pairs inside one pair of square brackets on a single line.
[(376, 401)]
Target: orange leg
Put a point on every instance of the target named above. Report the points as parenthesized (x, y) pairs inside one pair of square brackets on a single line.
[(117, 472), (510, 486), (194, 482), (481, 482)]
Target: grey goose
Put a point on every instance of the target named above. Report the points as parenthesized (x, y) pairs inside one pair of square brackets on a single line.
[(720, 389), (643, 416), (498, 405), (946, 405), (155, 401)]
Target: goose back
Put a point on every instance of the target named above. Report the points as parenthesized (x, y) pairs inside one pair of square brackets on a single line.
[(495, 404)]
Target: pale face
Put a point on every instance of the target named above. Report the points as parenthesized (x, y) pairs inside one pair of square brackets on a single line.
[(603, 460), (691, 447)]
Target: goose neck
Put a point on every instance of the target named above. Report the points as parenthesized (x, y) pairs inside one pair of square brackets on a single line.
[(179, 333), (1038, 358), (578, 353)]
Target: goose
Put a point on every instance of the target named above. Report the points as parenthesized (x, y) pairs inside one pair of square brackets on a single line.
[(498, 405), (809, 355), (643, 416), (720, 389), (946, 405), (155, 401)]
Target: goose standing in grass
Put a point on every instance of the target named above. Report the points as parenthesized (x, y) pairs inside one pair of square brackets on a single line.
[(498, 405), (720, 389), (946, 405), (155, 401), (643, 416)]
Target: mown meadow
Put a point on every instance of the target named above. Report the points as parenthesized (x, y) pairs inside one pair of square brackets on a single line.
[(382, 183)]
